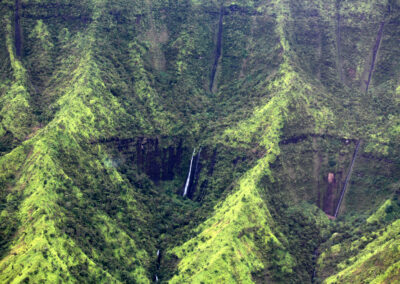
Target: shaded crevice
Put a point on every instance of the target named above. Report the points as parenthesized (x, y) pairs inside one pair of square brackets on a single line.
[(315, 262), (234, 8), (149, 155), (374, 54), (44, 11), (17, 29), (302, 137), (8, 142), (370, 156), (218, 49)]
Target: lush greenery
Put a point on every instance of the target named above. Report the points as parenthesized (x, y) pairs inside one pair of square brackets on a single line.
[(102, 103)]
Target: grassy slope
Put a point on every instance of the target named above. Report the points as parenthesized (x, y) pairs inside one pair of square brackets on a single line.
[(16, 112), (76, 218), (55, 178), (367, 253), (222, 250), (200, 261)]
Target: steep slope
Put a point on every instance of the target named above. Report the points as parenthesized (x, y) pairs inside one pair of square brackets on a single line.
[(56, 186), (102, 103), (328, 122), (367, 253)]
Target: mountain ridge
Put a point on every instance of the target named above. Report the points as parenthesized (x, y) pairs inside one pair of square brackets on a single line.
[(102, 103)]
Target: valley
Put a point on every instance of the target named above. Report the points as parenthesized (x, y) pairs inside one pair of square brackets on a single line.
[(199, 141)]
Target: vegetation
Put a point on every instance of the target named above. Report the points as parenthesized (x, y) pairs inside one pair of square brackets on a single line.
[(102, 103)]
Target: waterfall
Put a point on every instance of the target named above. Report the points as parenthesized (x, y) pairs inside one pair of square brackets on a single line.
[(218, 48), (195, 174), (347, 178), (338, 41), (374, 55), (188, 177), (197, 163), (314, 259), (18, 29), (157, 265)]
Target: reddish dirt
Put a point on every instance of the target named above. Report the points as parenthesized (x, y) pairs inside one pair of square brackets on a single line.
[(33, 132), (331, 177), (328, 202), (331, 217)]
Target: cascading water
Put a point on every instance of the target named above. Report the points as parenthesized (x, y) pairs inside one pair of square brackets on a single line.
[(157, 265), (347, 178), (197, 163), (189, 174), (314, 258), (374, 55), (18, 29), (194, 175), (218, 49)]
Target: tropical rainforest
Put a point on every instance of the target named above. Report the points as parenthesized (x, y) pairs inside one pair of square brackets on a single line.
[(200, 141)]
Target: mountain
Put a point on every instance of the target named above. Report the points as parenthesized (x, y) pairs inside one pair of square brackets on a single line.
[(191, 141)]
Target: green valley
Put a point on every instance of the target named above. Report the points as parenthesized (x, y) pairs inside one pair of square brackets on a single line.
[(193, 141)]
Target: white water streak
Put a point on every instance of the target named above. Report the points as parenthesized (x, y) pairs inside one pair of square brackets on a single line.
[(188, 177)]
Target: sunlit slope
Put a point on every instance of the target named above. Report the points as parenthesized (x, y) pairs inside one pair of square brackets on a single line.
[(331, 103), (229, 246), (365, 253), (242, 241), (62, 220), (99, 85)]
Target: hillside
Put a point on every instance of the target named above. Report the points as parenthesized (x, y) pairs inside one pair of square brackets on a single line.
[(196, 141)]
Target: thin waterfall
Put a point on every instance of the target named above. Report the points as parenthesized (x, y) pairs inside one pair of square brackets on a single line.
[(17, 28), (338, 41), (195, 174), (314, 259), (157, 265), (218, 49), (347, 178), (374, 55), (197, 163), (188, 177)]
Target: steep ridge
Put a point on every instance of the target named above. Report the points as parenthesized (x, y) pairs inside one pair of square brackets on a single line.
[(372, 257), (94, 191), (56, 241)]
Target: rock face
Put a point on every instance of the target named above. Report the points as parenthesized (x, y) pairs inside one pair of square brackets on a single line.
[(148, 156), (102, 103)]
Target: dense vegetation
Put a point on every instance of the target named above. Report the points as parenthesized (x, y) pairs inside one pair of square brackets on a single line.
[(102, 103)]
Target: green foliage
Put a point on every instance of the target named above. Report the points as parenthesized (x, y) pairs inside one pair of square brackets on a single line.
[(15, 110), (76, 204)]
